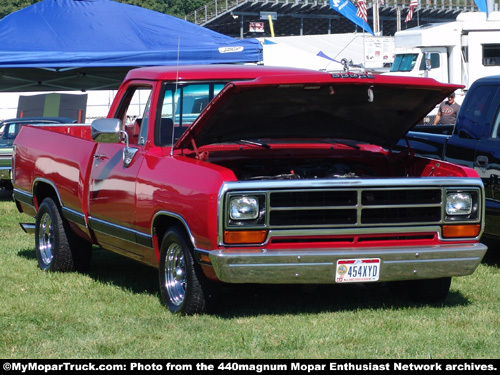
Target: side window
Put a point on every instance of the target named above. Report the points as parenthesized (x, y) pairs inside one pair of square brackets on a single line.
[(491, 54), (473, 115), (180, 107), (496, 129), (495, 132), (12, 131), (144, 124), (435, 63), (134, 113)]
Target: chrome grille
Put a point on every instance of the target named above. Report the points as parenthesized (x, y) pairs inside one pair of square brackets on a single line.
[(355, 207)]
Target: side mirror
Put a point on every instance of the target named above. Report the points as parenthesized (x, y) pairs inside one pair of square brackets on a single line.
[(428, 63), (106, 130), (109, 130)]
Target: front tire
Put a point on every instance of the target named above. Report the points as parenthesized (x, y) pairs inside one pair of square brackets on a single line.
[(181, 278), (57, 248)]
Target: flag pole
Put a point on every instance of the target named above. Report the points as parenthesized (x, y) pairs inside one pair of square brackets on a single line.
[(418, 15), (376, 24)]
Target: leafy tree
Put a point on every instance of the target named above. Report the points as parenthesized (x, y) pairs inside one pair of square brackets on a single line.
[(178, 8)]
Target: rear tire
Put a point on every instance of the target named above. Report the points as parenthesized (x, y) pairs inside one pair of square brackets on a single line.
[(181, 278), (57, 248)]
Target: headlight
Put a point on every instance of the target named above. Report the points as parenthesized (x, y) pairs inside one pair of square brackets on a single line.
[(244, 208), (458, 204)]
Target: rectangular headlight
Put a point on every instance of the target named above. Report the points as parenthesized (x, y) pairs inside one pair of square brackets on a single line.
[(243, 208), (459, 203)]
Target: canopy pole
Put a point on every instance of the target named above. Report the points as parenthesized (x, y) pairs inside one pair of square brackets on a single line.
[(271, 27)]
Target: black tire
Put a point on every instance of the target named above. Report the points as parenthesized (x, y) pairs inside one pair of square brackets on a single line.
[(430, 291), (181, 278), (57, 248)]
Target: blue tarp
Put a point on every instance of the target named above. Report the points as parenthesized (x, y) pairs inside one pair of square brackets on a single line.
[(104, 33)]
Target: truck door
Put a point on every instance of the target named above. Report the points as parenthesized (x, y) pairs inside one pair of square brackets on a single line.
[(434, 64), (487, 163), (470, 127), (112, 201)]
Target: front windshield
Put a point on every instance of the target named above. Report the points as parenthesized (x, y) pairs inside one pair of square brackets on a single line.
[(181, 105), (404, 62)]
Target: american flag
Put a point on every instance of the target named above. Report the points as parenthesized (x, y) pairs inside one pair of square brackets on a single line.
[(361, 12), (413, 5)]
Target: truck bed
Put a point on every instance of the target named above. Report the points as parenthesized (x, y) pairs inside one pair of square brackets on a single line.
[(61, 154)]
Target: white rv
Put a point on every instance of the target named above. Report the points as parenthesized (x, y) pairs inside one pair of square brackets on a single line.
[(454, 52)]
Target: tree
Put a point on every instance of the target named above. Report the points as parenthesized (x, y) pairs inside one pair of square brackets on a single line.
[(178, 8)]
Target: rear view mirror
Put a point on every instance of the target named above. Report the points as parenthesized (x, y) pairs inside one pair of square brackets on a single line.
[(109, 130), (106, 130), (428, 63)]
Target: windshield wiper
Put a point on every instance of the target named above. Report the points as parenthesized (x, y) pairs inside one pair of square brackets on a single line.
[(246, 141), (344, 142)]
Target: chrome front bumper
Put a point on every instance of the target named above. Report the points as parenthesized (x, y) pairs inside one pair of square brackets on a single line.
[(312, 266), (5, 173)]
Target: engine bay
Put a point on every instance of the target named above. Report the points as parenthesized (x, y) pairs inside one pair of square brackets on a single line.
[(300, 169), (318, 164)]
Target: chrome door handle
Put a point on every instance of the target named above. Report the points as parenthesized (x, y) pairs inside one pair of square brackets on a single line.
[(99, 157)]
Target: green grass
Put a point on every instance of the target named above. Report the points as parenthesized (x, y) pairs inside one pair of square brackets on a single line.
[(114, 311)]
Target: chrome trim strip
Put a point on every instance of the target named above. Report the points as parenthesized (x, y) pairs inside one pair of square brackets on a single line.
[(23, 197), (412, 230), (74, 216), (44, 180), (120, 232), (317, 266), (354, 183), (177, 217), (5, 173)]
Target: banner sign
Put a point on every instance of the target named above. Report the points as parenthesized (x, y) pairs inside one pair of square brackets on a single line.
[(256, 27)]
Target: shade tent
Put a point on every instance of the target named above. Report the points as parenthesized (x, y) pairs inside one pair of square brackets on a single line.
[(91, 44)]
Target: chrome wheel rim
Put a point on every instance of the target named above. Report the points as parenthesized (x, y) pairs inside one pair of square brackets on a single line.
[(175, 274), (46, 239)]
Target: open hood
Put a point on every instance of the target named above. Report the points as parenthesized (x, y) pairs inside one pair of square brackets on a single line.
[(365, 108)]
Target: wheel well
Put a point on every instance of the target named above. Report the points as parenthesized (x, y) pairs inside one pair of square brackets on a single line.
[(43, 190), (164, 222)]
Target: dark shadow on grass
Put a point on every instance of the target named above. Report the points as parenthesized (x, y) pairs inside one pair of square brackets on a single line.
[(5, 195), (492, 257), (249, 300), (244, 300), (27, 254), (110, 268)]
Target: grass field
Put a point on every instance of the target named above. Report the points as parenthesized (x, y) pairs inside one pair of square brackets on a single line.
[(114, 311)]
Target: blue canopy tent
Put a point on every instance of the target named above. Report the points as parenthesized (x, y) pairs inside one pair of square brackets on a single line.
[(91, 44)]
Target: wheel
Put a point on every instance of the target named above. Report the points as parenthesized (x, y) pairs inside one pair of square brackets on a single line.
[(425, 291), (57, 248), (181, 279)]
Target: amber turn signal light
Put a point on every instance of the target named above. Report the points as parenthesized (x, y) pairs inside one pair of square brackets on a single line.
[(454, 231), (245, 236), (204, 258)]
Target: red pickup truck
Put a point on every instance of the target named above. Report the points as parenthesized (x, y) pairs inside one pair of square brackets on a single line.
[(250, 174)]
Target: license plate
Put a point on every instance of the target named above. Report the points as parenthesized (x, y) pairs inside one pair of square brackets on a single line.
[(357, 270)]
